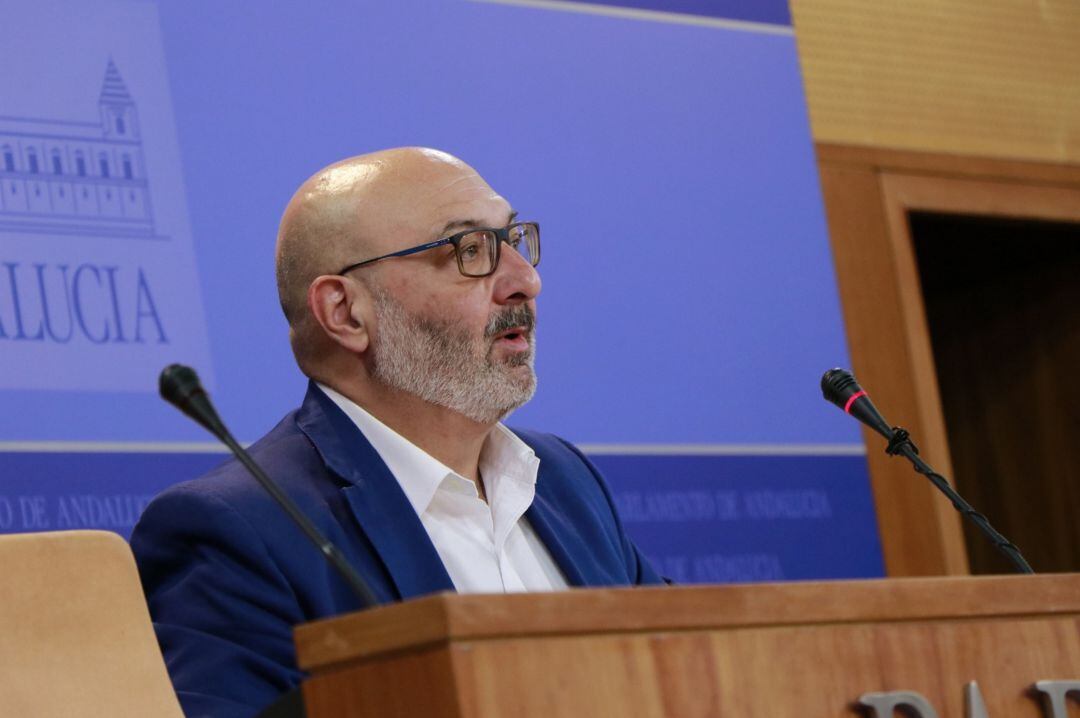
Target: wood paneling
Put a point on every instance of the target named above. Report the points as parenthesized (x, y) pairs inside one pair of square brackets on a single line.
[(920, 533), (941, 164), (901, 94), (768, 651), (994, 79), (868, 195), (425, 622), (416, 682), (764, 672)]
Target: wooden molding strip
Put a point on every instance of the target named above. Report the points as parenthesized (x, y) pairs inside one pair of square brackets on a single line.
[(433, 619)]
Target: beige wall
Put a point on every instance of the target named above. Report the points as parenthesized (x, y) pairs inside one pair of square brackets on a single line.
[(997, 78)]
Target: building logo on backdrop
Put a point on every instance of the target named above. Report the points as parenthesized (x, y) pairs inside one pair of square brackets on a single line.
[(98, 288), (78, 179), (84, 178)]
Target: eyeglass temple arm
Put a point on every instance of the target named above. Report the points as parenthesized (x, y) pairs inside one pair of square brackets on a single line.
[(401, 253)]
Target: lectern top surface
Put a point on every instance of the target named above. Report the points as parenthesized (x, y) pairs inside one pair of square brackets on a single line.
[(449, 617)]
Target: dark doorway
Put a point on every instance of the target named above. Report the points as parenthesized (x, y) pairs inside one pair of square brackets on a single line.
[(1002, 302)]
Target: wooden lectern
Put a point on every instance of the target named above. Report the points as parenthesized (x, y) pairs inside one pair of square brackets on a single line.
[(768, 650)]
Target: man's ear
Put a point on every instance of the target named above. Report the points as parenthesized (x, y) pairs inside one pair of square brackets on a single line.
[(340, 307)]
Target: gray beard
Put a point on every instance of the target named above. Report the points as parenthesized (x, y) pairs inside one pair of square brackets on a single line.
[(443, 365)]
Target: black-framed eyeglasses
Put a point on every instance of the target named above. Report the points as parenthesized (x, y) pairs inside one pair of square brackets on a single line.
[(478, 250)]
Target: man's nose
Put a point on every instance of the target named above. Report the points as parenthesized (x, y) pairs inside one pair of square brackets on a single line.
[(515, 280)]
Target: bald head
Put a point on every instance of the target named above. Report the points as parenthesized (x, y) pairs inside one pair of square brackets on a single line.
[(359, 208), (347, 211)]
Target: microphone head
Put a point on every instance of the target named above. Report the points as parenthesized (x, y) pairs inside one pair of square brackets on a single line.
[(178, 383), (838, 386), (180, 386)]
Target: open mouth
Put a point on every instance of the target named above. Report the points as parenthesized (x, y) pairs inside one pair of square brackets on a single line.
[(515, 338)]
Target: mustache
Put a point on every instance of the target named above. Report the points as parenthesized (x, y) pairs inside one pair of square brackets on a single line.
[(520, 316)]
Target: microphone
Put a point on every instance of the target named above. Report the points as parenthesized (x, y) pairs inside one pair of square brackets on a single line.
[(840, 387), (180, 386)]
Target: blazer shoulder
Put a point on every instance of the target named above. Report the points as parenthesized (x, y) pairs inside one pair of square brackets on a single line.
[(285, 453), (228, 497)]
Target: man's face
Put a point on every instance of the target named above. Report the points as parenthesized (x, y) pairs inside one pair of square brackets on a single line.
[(460, 342)]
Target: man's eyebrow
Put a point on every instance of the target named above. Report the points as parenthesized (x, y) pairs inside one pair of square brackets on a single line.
[(469, 223)]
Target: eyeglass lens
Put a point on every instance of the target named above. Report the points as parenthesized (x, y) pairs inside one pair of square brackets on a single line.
[(477, 251)]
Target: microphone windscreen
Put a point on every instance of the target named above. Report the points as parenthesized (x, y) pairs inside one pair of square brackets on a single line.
[(180, 386), (840, 388), (177, 383), (839, 385)]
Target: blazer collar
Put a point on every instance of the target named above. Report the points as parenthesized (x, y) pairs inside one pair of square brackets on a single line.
[(375, 498)]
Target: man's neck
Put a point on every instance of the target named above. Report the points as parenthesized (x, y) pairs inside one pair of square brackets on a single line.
[(447, 435)]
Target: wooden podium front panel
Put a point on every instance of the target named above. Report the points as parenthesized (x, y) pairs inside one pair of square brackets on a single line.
[(772, 650), (768, 672), (414, 683)]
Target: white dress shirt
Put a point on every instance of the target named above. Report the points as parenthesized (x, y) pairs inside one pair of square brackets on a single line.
[(485, 547)]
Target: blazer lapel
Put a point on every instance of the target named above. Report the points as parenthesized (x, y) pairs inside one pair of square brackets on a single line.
[(562, 538), (550, 527), (381, 508)]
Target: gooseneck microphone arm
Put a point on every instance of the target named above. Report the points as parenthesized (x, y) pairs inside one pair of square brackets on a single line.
[(840, 388), (180, 386)]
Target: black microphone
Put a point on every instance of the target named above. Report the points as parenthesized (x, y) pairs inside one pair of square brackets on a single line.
[(839, 387), (179, 385)]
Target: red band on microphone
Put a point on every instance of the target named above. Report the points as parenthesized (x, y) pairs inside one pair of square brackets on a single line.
[(856, 395)]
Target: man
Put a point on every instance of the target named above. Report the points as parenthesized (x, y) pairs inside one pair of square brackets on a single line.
[(410, 291)]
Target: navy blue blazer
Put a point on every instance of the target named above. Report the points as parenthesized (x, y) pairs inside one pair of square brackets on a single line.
[(227, 575)]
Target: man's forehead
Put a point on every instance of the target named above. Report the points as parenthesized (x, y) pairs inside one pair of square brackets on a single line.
[(504, 215), (456, 201)]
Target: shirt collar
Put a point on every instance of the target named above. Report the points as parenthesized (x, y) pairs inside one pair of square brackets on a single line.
[(420, 475)]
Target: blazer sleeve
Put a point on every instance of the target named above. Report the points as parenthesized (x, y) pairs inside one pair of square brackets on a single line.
[(222, 610)]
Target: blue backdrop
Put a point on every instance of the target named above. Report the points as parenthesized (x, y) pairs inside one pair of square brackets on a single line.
[(689, 304)]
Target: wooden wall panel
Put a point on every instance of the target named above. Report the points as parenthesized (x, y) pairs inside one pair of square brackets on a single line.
[(868, 194), (997, 79), (987, 91), (920, 532)]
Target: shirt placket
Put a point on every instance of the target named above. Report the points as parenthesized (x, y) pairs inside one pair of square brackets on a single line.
[(510, 497)]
